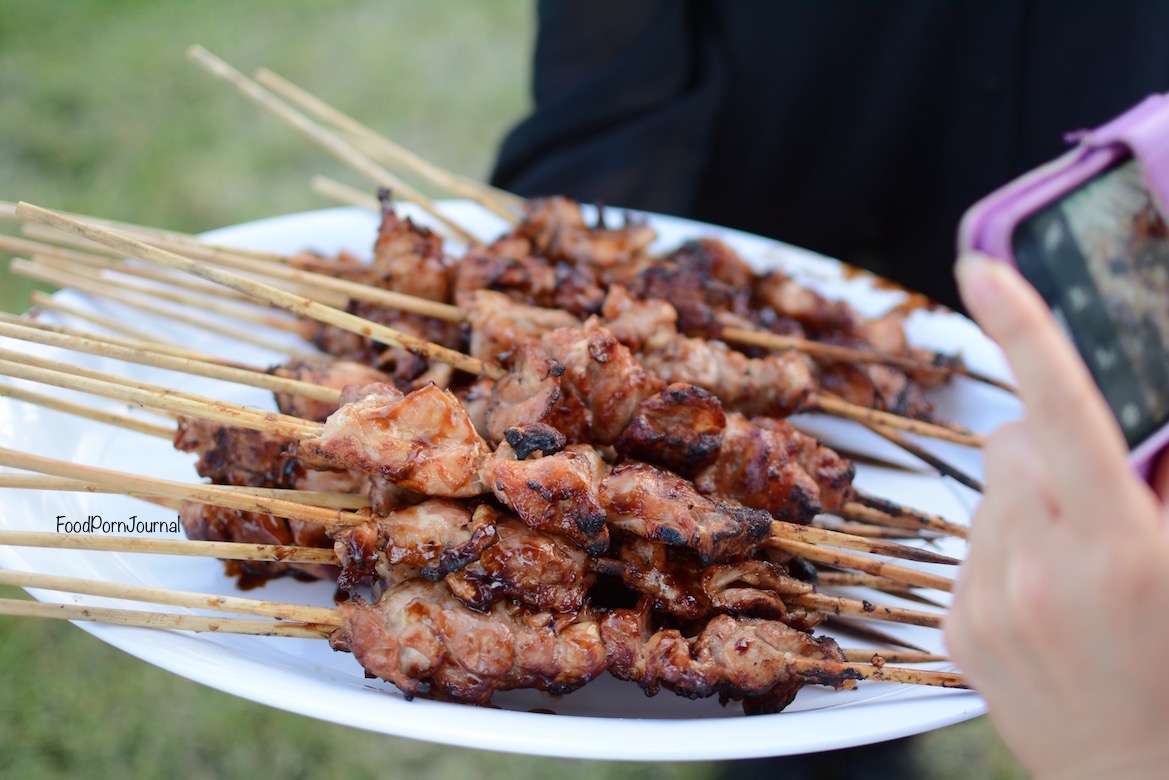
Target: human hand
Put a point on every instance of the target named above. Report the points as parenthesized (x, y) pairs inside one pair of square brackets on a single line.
[(1062, 605)]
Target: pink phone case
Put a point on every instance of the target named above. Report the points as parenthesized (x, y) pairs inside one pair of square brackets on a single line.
[(1141, 132)]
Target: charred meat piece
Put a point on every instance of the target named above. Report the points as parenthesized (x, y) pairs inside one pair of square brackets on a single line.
[(756, 588), (737, 658), (207, 523), (680, 428), (528, 395), (636, 322), (406, 369), (529, 438), (424, 442), (335, 374), (681, 587), (760, 468), (776, 385), (601, 378), (558, 493), (655, 504), (557, 230), (425, 641), (535, 568), (510, 267), (230, 455), (701, 280), (579, 380), (499, 325), (832, 473), (877, 387), (648, 568), (430, 539), (408, 258), (814, 312)]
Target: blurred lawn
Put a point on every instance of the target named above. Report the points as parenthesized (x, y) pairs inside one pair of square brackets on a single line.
[(101, 113)]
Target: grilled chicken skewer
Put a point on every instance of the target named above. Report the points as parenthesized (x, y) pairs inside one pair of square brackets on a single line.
[(424, 642), (387, 335)]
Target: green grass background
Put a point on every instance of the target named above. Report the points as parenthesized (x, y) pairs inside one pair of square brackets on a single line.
[(101, 113)]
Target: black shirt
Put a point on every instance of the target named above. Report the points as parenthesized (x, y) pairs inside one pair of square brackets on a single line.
[(862, 130)]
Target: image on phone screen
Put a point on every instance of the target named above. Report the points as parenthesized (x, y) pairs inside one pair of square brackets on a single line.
[(1100, 258)]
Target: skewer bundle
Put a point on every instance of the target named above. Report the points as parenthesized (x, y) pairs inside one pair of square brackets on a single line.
[(553, 471)]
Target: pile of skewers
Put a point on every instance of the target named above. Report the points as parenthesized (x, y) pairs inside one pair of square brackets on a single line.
[(528, 462)]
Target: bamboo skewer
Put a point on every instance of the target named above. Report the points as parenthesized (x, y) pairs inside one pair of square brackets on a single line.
[(861, 671), (880, 511), (839, 605), (78, 410), (837, 353), (135, 484), (68, 259), (864, 414), (104, 289), (24, 365), (942, 467), (857, 654), (308, 497), (865, 630), (102, 257), (276, 384), (162, 620), (280, 298), (313, 281), (121, 341), (144, 234), (8, 212), (168, 597), (42, 301), (173, 287), (857, 528), (21, 366), (823, 536), (233, 551), (326, 139), (103, 285), (344, 194), (891, 571), (853, 579), (390, 152)]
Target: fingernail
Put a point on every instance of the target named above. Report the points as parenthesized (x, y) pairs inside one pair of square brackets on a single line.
[(977, 282)]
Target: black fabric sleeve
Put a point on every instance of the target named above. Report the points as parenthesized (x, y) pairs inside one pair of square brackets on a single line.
[(636, 86)]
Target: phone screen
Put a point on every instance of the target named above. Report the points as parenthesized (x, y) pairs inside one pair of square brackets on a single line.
[(1100, 258)]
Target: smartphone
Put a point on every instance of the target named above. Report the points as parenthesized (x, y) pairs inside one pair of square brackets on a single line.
[(1089, 232)]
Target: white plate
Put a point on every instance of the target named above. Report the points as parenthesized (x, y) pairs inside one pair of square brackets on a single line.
[(607, 719)]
